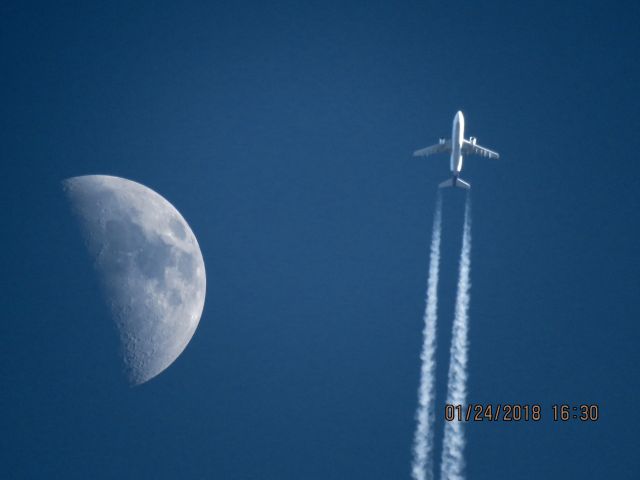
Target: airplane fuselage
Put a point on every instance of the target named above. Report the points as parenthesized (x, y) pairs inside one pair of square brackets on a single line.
[(457, 140)]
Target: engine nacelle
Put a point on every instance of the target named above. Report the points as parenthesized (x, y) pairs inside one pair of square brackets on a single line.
[(442, 141), (473, 140)]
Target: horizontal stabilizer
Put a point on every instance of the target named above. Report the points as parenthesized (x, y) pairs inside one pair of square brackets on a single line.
[(462, 184), (455, 182)]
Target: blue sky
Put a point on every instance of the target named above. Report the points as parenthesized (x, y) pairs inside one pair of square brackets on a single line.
[(283, 133)]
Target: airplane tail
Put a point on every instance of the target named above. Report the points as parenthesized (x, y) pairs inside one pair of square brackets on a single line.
[(455, 182)]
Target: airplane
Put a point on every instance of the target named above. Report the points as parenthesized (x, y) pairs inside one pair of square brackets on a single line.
[(458, 146)]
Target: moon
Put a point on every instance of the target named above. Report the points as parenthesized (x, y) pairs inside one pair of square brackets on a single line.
[(150, 266)]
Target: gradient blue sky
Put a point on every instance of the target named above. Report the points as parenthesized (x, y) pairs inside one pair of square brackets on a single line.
[(283, 133)]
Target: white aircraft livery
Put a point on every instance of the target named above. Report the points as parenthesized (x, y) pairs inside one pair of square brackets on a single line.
[(458, 146)]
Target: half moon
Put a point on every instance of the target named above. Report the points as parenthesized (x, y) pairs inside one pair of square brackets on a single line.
[(150, 265)]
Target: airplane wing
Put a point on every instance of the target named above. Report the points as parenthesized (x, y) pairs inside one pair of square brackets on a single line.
[(443, 146), (471, 147)]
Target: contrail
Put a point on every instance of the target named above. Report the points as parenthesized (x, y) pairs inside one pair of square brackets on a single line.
[(452, 466), (422, 465)]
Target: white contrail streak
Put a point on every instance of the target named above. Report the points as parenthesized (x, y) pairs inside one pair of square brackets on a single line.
[(452, 467), (422, 465)]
